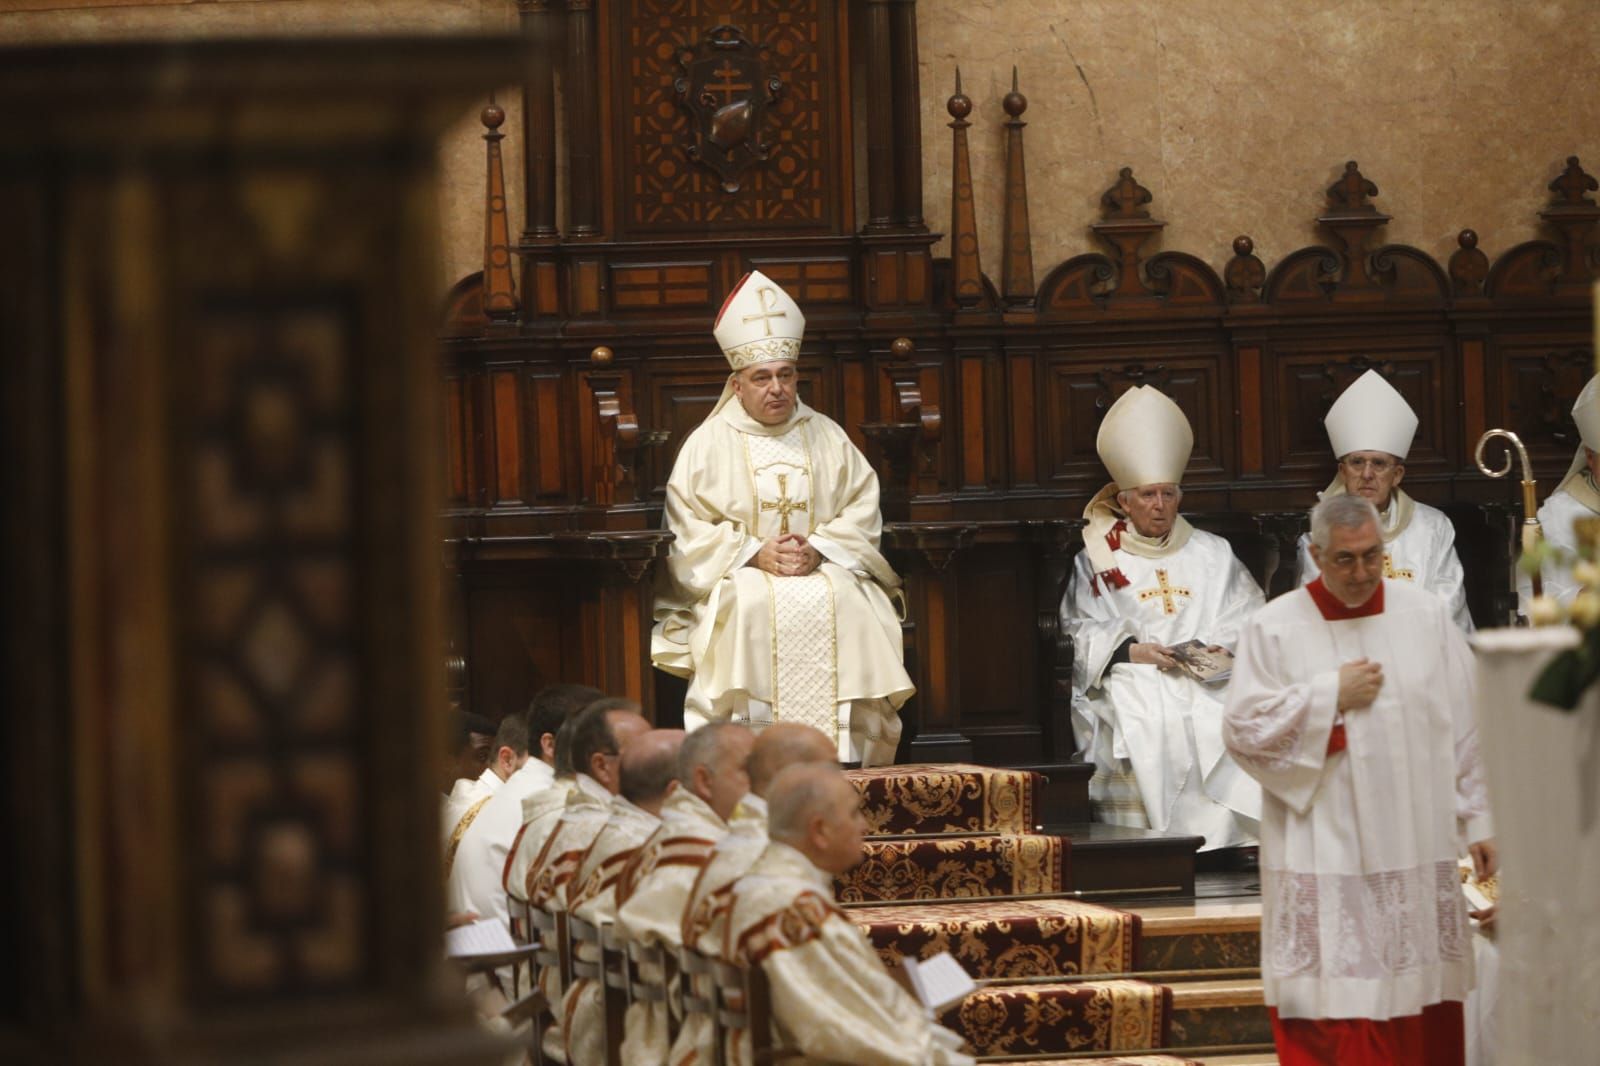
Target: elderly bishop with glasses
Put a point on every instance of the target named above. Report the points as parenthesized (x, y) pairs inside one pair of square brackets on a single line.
[(1370, 427), (1153, 608), (776, 603)]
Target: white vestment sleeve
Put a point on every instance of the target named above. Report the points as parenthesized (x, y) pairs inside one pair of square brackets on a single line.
[(1278, 732), (1095, 627), (1447, 580), (1244, 598), (1472, 796), (832, 999)]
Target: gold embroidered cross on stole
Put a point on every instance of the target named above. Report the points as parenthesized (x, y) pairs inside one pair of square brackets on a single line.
[(784, 505), (1166, 592)]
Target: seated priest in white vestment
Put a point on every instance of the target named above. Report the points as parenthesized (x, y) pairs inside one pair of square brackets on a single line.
[(654, 886), (471, 741), (542, 810), (1146, 582), (507, 753), (775, 602), (705, 910), (473, 882), (1352, 704), (1577, 496), (649, 771), (597, 736), (1371, 427), (833, 1000)]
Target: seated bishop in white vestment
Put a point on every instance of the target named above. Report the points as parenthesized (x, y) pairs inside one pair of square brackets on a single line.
[(775, 602), (1152, 731), (1370, 427), (833, 1000), (1577, 495)]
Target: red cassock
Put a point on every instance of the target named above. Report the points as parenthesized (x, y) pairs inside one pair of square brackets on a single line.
[(1436, 1037)]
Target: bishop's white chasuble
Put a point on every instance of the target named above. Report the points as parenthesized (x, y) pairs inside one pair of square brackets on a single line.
[(1576, 497), (652, 894), (1362, 914), (810, 649), (592, 897), (832, 998), (1154, 736), (1419, 546)]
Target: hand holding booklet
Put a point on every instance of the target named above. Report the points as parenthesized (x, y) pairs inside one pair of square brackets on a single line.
[(939, 982), (1206, 663), (487, 936)]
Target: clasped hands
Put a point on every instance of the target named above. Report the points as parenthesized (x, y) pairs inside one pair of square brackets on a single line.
[(789, 555)]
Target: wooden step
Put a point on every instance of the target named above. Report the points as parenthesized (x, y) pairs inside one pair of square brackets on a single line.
[(1198, 936), (1064, 794), (1225, 1013), (1113, 858)]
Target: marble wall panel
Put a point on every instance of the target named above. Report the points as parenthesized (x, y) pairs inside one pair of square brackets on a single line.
[(1237, 114)]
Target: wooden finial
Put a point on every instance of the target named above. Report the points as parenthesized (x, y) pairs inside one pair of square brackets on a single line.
[(601, 355)]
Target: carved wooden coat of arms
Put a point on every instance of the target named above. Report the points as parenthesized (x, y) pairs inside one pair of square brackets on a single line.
[(726, 90)]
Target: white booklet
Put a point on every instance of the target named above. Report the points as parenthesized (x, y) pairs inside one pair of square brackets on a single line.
[(939, 982), (486, 936)]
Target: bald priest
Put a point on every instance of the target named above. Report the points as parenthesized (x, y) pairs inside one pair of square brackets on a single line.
[(776, 603)]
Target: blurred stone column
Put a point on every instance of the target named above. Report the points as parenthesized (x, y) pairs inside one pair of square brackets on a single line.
[(223, 691)]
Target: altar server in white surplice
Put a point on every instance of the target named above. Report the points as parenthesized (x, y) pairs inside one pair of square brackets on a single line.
[(654, 887), (1370, 427), (1576, 496), (1352, 704), (474, 875), (833, 1000), (1145, 581), (775, 602), (649, 772)]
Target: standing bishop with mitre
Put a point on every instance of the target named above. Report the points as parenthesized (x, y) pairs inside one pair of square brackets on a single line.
[(1146, 582), (775, 601), (1577, 496), (1370, 427)]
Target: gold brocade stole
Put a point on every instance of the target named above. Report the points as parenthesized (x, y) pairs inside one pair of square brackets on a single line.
[(805, 654), (461, 831)]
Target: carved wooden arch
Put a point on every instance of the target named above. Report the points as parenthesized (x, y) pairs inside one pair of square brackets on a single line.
[(1410, 275), (1183, 280), (463, 307), (1527, 271), (1308, 275), (1082, 284)]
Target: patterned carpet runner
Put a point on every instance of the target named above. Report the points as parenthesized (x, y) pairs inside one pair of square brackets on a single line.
[(946, 798), (931, 868), (1011, 938), (1061, 1018)]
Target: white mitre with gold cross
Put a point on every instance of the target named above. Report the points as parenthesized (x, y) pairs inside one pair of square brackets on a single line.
[(1586, 414), (1371, 416), (758, 322), (1145, 439)]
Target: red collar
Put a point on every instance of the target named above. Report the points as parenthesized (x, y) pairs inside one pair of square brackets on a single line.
[(1334, 610)]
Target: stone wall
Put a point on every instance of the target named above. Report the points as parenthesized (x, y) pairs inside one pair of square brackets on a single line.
[(1236, 114)]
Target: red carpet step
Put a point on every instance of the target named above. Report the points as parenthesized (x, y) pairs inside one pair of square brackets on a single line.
[(932, 868), (1007, 938), (1058, 1018), (947, 798)]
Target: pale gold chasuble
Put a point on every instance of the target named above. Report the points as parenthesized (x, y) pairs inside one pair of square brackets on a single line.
[(804, 646)]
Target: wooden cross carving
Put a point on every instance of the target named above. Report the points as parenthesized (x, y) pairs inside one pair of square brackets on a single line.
[(727, 86), (784, 505), (1166, 592)]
